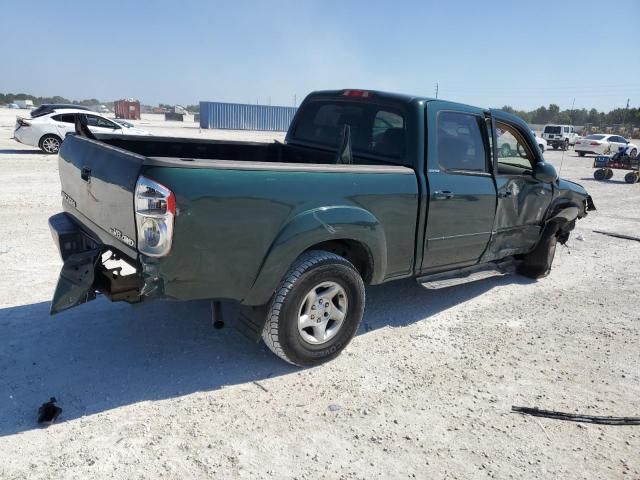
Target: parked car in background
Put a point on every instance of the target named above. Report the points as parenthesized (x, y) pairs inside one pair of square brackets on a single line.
[(542, 143), (46, 108), (47, 131), (560, 136), (601, 144)]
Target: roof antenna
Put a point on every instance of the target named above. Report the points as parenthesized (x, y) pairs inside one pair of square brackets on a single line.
[(345, 156), (564, 150)]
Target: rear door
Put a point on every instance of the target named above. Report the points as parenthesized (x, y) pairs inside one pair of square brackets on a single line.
[(64, 123), (462, 194), (98, 184)]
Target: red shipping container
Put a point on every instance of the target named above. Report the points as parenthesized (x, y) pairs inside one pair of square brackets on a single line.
[(127, 109)]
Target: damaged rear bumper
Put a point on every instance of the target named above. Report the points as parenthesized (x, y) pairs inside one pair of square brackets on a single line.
[(91, 266)]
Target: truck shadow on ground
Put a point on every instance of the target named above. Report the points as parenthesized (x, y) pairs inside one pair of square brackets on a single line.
[(102, 356)]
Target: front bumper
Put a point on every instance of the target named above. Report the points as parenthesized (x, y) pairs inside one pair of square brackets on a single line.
[(86, 270)]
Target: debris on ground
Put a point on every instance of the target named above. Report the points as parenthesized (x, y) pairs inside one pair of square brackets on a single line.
[(618, 235), (576, 417)]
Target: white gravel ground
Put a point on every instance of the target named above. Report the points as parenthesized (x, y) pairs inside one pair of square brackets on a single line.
[(424, 391)]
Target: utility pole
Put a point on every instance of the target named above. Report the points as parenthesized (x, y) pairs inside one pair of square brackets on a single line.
[(624, 117), (572, 105), (437, 89)]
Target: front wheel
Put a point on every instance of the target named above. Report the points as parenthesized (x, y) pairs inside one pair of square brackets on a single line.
[(600, 174), (316, 310), (631, 177), (537, 264), (581, 154)]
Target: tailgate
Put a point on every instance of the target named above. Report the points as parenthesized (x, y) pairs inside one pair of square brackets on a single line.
[(98, 183)]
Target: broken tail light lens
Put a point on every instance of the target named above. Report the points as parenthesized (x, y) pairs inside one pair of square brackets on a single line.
[(155, 207)]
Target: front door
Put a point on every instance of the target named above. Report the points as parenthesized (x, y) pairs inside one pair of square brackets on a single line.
[(462, 194), (522, 200)]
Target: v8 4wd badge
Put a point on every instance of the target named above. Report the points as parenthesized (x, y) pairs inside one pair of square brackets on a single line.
[(122, 237)]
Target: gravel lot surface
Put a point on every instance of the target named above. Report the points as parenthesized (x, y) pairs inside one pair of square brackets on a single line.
[(424, 391)]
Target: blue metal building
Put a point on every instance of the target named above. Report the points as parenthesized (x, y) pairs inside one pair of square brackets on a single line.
[(238, 116)]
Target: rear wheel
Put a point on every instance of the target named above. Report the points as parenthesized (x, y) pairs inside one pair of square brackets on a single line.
[(599, 174), (50, 144), (316, 310), (581, 154), (631, 177)]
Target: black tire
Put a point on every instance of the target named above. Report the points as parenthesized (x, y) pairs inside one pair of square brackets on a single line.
[(555, 146), (608, 174), (631, 177), (50, 144), (282, 333), (633, 153), (600, 174), (581, 154), (537, 263)]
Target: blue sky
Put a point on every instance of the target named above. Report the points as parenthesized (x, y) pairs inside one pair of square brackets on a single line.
[(487, 53)]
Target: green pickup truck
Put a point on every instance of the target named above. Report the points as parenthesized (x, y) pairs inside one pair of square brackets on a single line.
[(368, 187)]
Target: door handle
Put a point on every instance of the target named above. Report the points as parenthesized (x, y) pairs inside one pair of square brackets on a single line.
[(443, 195), (85, 174)]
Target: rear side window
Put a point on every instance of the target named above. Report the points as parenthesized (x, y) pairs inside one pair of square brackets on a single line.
[(375, 130), (65, 118), (460, 145)]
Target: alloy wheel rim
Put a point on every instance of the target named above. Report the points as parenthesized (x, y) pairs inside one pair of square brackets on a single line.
[(51, 145), (322, 313)]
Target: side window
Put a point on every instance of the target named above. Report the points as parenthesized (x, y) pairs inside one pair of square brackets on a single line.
[(65, 118), (514, 154), (460, 144), (566, 129), (103, 122)]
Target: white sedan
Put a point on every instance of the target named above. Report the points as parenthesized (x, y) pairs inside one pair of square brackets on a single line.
[(48, 131), (542, 143), (601, 144)]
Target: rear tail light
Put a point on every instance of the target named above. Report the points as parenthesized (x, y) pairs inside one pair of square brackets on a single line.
[(155, 207), (595, 143), (23, 123)]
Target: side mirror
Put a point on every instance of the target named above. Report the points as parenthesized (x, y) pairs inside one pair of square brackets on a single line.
[(545, 172)]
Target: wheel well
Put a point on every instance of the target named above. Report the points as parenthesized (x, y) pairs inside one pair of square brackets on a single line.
[(357, 253)]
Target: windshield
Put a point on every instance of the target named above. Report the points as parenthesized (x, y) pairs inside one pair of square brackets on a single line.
[(594, 137), (552, 129), (375, 129)]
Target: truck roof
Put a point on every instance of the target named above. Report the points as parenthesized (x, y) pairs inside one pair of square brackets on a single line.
[(359, 93)]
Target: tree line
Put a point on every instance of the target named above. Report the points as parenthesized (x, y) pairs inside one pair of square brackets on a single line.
[(553, 114), (6, 98)]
